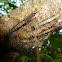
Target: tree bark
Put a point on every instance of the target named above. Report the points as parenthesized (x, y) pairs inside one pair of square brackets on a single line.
[(38, 18), (35, 18)]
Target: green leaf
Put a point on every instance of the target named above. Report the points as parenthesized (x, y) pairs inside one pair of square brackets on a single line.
[(57, 60), (3, 0), (45, 55), (33, 56), (22, 1), (23, 58), (0, 6), (56, 40), (13, 2)]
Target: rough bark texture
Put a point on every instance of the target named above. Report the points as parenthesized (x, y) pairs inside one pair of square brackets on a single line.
[(34, 20)]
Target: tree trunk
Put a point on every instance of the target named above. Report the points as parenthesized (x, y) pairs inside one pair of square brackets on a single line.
[(35, 18)]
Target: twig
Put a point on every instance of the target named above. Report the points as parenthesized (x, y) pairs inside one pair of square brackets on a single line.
[(37, 54)]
